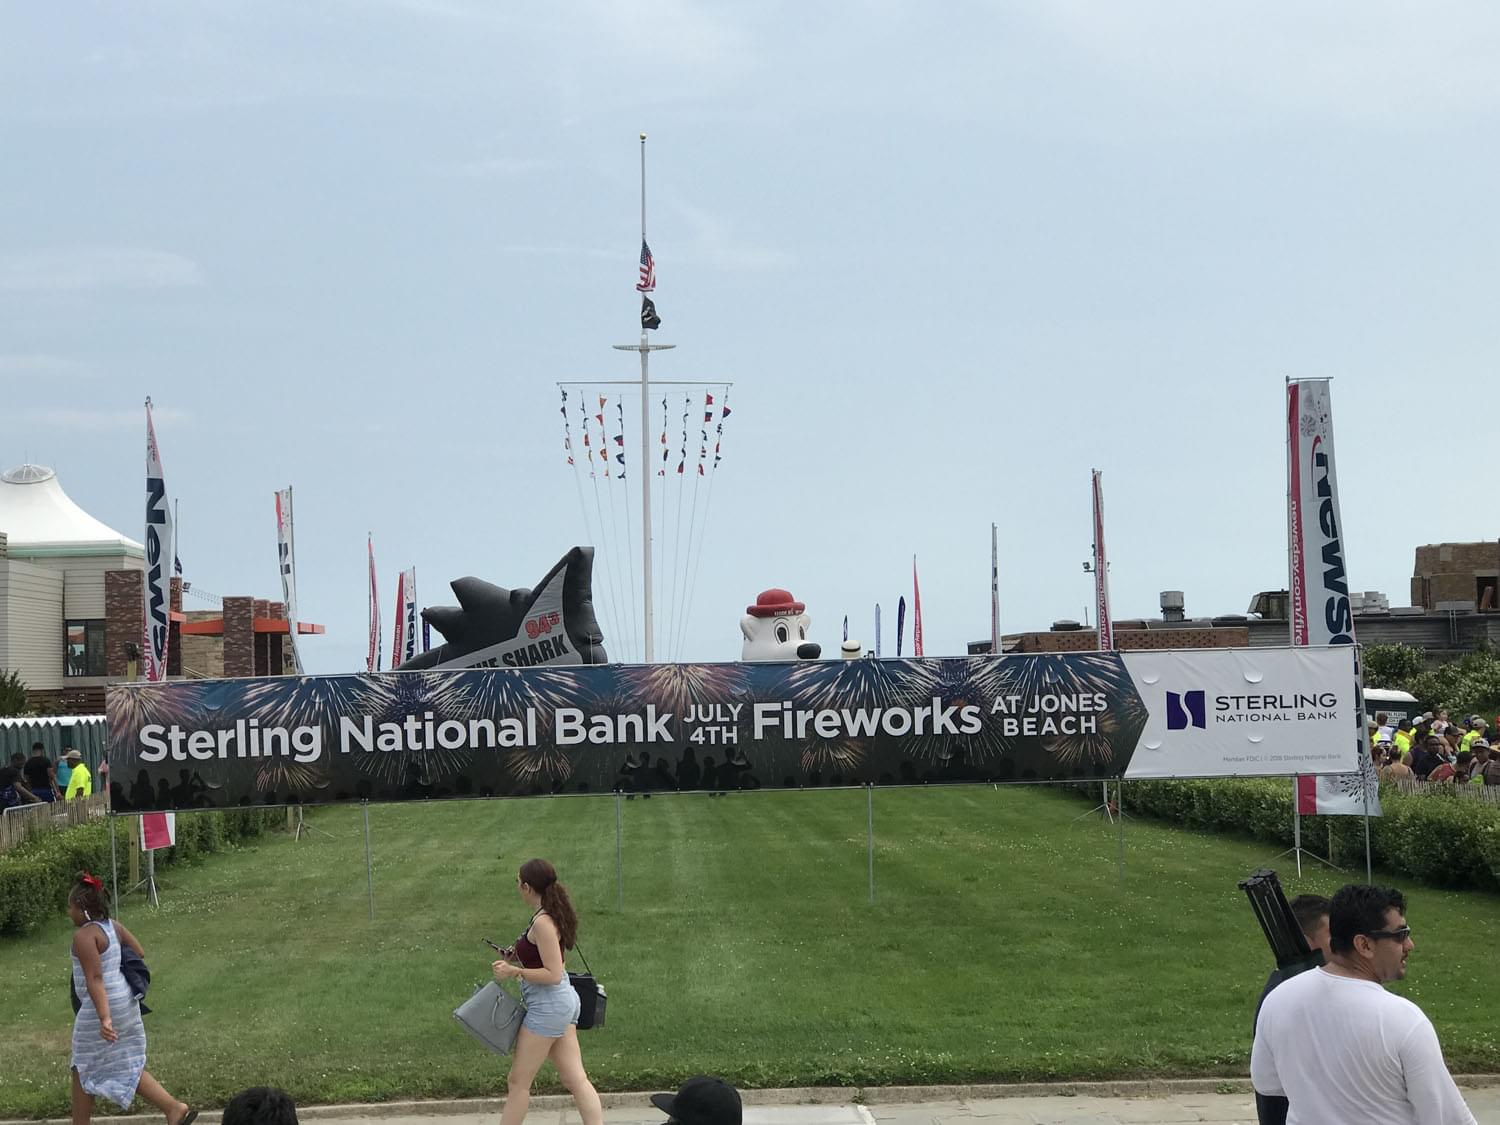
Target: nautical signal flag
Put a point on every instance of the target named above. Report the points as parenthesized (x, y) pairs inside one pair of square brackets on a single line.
[(647, 282), (649, 319)]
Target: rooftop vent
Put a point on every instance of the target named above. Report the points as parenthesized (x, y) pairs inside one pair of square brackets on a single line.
[(1171, 605)]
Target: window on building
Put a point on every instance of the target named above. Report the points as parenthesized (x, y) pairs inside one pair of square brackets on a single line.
[(84, 648)]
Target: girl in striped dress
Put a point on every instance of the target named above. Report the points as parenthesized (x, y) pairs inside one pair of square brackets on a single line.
[(109, 1040)]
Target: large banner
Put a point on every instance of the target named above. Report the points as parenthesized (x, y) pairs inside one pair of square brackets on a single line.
[(597, 728), (286, 551), (1321, 613), (156, 623)]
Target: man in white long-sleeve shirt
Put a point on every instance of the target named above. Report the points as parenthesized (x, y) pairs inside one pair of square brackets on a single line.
[(1340, 1047)]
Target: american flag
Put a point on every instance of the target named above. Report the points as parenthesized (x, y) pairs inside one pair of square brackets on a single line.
[(647, 282)]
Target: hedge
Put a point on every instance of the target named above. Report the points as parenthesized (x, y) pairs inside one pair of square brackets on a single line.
[(36, 877), (1435, 837)]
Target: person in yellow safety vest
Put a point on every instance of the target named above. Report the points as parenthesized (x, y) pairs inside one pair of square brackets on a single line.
[(1402, 738), (80, 781), (1476, 731)]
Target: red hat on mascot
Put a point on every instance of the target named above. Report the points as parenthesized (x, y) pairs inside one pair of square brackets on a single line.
[(776, 603)]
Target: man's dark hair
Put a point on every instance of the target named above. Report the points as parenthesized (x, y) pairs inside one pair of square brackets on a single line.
[(38, 746), (1360, 909), (261, 1105), (1307, 909), (18, 759)]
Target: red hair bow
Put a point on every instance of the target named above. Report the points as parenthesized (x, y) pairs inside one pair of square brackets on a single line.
[(89, 881)]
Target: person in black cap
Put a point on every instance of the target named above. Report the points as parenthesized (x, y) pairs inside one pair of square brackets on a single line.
[(701, 1101)]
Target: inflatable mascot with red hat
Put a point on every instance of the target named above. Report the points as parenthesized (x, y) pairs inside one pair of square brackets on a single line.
[(775, 628)]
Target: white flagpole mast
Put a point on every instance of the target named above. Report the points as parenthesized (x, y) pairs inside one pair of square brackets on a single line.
[(645, 349)]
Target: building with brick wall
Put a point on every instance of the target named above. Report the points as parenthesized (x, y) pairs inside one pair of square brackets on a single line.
[(71, 601), (1457, 577)]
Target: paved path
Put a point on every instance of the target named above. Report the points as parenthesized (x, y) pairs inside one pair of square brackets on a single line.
[(1084, 1108)]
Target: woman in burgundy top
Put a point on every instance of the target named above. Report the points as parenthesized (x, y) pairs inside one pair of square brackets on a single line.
[(550, 1028)]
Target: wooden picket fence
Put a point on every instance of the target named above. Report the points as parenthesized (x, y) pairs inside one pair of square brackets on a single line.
[(1490, 794), (28, 821)]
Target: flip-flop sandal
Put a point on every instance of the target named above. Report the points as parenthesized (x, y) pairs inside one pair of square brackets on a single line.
[(189, 1117)]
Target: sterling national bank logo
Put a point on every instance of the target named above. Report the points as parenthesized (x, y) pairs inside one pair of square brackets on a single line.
[(1190, 708)]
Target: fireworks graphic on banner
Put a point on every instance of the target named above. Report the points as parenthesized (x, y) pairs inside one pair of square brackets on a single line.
[(151, 704), (850, 684), (676, 687), (1073, 675)]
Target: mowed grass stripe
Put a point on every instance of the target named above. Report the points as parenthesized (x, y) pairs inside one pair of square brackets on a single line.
[(1001, 945)]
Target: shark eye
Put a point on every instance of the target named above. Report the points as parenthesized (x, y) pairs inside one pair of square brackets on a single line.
[(783, 632), (802, 632)]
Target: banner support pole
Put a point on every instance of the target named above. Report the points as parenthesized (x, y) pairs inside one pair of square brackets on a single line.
[(1296, 828), (1369, 874), (870, 834), (114, 868), (1120, 818), (369, 862), (619, 851)]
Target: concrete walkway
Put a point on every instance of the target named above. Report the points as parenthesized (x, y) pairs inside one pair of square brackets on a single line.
[(1104, 1103)]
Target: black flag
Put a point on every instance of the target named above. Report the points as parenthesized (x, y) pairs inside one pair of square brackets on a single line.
[(649, 319)]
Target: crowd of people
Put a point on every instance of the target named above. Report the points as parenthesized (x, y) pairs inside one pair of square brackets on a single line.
[(39, 780), (1434, 749)]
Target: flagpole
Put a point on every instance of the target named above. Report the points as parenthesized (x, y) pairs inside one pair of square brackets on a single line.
[(648, 652), (645, 349)]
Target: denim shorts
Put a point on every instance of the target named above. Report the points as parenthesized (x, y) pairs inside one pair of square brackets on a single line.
[(550, 1008)]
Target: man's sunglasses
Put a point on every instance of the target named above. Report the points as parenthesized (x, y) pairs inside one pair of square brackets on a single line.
[(1395, 935)]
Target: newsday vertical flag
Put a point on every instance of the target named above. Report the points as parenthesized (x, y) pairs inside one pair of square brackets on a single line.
[(1101, 571), (398, 639), (156, 624), (405, 646), (1319, 583), (287, 559), (372, 659)]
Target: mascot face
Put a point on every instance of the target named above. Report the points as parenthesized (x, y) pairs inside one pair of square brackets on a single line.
[(775, 628)]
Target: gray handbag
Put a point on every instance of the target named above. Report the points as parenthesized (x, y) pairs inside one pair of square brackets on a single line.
[(491, 1016)]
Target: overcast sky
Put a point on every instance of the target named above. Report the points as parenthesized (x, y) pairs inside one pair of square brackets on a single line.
[(951, 257)]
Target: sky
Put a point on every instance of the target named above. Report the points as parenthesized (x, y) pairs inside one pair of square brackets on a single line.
[(950, 257)]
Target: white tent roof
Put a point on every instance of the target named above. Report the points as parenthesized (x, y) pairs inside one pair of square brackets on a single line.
[(36, 514)]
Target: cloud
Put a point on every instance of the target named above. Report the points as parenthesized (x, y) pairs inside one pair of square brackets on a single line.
[(98, 421), (46, 366), (82, 269)]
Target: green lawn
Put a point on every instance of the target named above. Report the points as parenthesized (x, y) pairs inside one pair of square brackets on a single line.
[(1001, 946)]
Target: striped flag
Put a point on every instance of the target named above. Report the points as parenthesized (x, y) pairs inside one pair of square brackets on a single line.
[(647, 282), (916, 611)]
